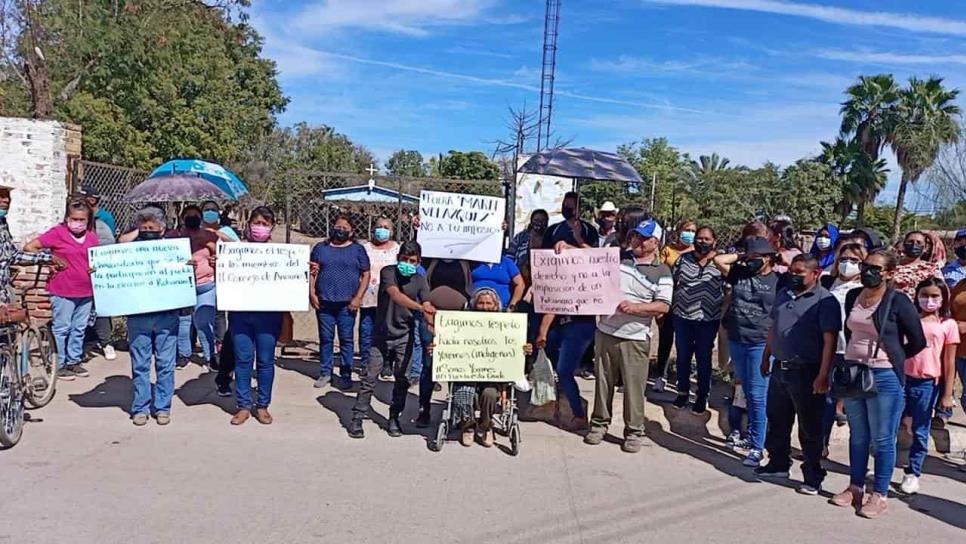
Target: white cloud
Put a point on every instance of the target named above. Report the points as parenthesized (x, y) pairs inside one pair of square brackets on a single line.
[(407, 17), (835, 15), (884, 57)]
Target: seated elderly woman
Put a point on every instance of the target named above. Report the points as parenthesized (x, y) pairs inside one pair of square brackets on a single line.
[(468, 397)]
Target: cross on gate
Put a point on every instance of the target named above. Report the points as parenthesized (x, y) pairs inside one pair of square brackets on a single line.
[(372, 171)]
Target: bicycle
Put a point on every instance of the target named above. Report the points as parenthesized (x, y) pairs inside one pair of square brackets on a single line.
[(28, 377)]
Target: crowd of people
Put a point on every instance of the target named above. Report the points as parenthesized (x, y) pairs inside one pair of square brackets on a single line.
[(790, 322)]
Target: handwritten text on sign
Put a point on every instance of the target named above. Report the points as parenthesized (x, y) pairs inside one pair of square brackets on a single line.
[(479, 347), (142, 277), (262, 277), (576, 281), (458, 226)]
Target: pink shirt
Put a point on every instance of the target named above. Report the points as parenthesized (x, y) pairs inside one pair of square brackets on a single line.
[(862, 343), (75, 280), (928, 362), (204, 273)]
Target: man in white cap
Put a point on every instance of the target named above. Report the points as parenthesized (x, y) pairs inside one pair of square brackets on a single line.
[(606, 216), (10, 255)]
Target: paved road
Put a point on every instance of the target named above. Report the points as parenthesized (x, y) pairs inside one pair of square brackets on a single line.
[(85, 474)]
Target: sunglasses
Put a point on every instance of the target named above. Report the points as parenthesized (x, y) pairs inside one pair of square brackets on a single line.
[(871, 267)]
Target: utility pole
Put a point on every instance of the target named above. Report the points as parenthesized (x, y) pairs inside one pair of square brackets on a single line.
[(653, 190), (550, 24)]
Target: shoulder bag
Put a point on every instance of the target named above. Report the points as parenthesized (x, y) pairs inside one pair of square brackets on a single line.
[(850, 379)]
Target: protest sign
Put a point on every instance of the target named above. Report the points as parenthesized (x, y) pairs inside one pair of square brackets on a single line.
[(576, 281), (457, 226), (262, 277), (142, 277), (479, 347)]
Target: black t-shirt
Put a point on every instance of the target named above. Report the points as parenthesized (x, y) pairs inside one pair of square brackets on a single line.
[(452, 274), (561, 232), (392, 320), (749, 315)]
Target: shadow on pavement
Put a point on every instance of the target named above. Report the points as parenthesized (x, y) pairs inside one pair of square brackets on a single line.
[(307, 368), (113, 392), (947, 511), (341, 403), (202, 390)]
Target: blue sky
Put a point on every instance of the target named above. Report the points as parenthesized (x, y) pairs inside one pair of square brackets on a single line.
[(753, 80)]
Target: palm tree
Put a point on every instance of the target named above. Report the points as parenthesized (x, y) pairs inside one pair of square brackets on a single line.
[(925, 120), (861, 176), (707, 165), (867, 112)]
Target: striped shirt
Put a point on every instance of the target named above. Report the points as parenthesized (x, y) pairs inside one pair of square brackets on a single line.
[(698, 290), (639, 283)]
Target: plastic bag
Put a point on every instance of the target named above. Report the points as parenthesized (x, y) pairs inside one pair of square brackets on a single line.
[(544, 381)]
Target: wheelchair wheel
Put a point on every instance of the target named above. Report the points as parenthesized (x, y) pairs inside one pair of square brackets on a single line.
[(441, 432), (515, 439), (11, 400), (38, 347)]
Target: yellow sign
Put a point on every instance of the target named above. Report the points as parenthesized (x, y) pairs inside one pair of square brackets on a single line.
[(479, 347)]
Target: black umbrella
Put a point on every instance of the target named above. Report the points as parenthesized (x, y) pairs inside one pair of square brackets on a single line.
[(176, 188), (581, 162)]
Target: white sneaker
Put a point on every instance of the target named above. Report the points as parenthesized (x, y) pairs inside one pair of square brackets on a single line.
[(522, 386), (109, 353), (910, 484), (659, 385)]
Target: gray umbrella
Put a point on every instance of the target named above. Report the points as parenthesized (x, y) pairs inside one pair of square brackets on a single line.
[(176, 188), (580, 162)]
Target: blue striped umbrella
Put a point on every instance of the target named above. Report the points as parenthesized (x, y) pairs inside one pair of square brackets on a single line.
[(224, 178)]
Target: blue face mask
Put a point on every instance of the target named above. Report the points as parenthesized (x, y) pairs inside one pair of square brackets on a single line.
[(210, 216), (406, 269), (3, 213), (381, 234), (687, 237)]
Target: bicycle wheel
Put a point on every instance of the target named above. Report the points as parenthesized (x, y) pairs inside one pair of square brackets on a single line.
[(11, 399), (37, 346)]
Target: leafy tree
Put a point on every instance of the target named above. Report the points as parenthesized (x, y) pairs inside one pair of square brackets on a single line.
[(925, 121), (406, 163), (472, 165), (655, 160), (859, 176), (867, 112), (708, 164), (726, 199), (147, 80), (947, 177), (809, 193)]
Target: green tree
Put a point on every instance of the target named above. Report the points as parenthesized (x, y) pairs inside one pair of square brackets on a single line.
[(148, 80), (706, 164), (655, 161), (406, 163), (859, 177), (809, 193), (925, 121), (867, 112), (472, 165)]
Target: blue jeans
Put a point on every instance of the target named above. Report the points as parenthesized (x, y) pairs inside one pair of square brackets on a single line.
[(736, 418), (69, 323), (921, 395), (746, 359), (153, 335), (421, 340), (203, 319), (694, 338), (875, 421), (367, 325), (566, 345), (961, 370), (332, 316), (254, 335)]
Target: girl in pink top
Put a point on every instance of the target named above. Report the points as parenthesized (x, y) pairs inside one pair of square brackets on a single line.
[(72, 294), (928, 372)]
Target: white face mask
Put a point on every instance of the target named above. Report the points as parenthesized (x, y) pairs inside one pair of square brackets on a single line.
[(848, 269), (823, 242)]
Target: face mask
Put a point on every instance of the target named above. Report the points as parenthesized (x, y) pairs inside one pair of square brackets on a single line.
[(210, 216), (606, 224), (340, 235), (538, 228), (406, 269), (848, 269), (797, 283), (871, 278), (687, 237), (192, 222), (381, 234), (259, 233), (702, 248), (144, 235), (913, 250), (823, 242), (754, 265), (930, 304), (77, 227), (568, 212), (960, 251), (3, 213)]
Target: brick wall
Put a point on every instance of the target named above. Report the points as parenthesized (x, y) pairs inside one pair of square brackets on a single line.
[(25, 281), (35, 159)]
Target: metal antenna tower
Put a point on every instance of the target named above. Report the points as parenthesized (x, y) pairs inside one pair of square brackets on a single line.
[(550, 24)]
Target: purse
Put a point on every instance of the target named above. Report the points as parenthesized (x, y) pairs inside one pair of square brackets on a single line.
[(850, 379)]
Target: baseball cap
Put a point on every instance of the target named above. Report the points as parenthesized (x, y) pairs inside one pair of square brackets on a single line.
[(608, 207), (88, 191), (961, 233), (649, 228), (758, 246)]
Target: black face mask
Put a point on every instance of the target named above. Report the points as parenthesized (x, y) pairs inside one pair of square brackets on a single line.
[(702, 248), (192, 222), (538, 228), (753, 266), (606, 224), (961, 252), (568, 212), (871, 278), (796, 283), (145, 235), (340, 235), (913, 250)]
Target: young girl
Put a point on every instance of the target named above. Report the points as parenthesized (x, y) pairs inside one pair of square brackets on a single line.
[(927, 370)]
